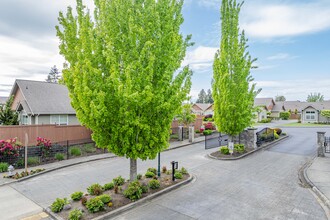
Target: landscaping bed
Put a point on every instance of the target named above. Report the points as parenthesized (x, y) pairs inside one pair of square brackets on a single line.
[(235, 154), (100, 200)]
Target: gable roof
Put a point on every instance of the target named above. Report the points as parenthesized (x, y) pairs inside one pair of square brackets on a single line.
[(43, 97), (325, 105), (264, 102), (203, 106)]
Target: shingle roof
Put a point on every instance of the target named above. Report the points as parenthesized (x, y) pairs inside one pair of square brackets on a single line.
[(263, 102), (325, 105), (203, 106), (45, 98), (3, 99)]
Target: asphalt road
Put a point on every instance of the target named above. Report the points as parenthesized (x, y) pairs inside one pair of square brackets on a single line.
[(264, 185)]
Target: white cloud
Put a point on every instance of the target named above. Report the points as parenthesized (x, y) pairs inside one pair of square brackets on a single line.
[(201, 58), (282, 20), (281, 56)]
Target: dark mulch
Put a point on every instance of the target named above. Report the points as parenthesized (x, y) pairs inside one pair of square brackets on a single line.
[(218, 154), (119, 200)]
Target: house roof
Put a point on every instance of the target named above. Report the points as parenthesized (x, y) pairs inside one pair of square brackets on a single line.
[(203, 106), (325, 105), (43, 97), (264, 102), (278, 107), (3, 99)]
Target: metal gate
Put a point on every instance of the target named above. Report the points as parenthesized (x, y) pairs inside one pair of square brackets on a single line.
[(215, 139), (327, 145)]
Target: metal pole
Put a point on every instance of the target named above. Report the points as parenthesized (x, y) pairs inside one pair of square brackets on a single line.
[(159, 164), (173, 170), (26, 146)]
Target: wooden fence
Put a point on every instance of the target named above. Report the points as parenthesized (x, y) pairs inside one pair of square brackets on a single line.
[(54, 133)]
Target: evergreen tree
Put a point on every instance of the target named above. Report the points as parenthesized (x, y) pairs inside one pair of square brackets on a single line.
[(316, 97), (8, 116), (54, 76), (121, 72), (280, 98), (202, 97), (209, 96), (233, 90)]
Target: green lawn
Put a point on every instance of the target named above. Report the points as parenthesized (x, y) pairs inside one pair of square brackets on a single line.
[(296, 124)]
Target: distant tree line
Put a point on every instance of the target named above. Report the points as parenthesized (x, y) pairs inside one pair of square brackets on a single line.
[(204, 97)]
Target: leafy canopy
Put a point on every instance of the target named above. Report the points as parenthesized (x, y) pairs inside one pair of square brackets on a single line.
[(122, 71), (316, 97), (186, 117), (8, 116), (233, 90)]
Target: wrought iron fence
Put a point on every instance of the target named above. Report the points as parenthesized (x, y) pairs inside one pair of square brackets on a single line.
[(265, 135), (327, 145), (37, 155), (216, 139)]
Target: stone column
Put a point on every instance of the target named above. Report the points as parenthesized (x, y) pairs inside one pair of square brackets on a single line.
[(191, 134), (180, 133), (252, 141), (320, 143)]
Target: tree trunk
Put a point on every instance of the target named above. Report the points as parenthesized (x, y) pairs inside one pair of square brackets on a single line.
[(133, 169)]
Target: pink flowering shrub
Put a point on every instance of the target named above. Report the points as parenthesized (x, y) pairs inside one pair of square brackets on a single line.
[(45, 146), (9, 147)]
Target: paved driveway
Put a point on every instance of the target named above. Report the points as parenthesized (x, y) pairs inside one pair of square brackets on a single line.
[(262, 186)]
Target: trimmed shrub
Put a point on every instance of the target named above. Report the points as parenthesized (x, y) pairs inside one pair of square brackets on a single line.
[(239, 148), (105, 198), (95, 189), (133, 191), (224, 150), (151, 169), (139, 176), (266, 120), (89, 148), (150, 174), (207, 132), (3, 167), (76, 196), (209, 126), (94, 205), (118, 181), (154, 184), (58, 204), (33, 161), (178, 175), (184, 171), (285, 115), (59, 156), (144, 188), (75, 214), (108, 186), (75, 151)]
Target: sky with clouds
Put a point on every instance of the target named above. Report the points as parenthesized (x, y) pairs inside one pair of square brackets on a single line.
[(290, 39)]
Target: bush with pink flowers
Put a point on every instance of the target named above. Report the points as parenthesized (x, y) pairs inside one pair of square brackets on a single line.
[(9, 148), (45, 146)]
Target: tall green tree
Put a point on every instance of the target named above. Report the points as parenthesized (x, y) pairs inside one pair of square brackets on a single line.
[(280, 98), (186, 117), (315, 97), (233, 90), (121, 72), (54, 76), (8, 116), (209, 96), (202, 97)]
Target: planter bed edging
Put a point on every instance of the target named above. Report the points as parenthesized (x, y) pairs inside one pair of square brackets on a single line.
[(251, 152), (132, 205)]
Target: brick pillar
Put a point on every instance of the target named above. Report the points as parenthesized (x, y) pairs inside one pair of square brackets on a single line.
[(191, 134), (320, 143), (180, 133), (252, 140)]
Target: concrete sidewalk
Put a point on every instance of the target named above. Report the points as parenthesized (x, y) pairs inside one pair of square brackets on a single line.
[(319, 175), (14, 205)]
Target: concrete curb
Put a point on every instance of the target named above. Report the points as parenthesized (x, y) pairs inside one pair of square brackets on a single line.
[(81, 162), (304, 178), (132, 205), (266, 146)]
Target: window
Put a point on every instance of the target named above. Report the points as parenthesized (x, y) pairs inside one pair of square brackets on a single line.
[(310, 115), (59, 119), (24, 120)]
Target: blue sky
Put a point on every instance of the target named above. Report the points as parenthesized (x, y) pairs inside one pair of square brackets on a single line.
[(290, 39)]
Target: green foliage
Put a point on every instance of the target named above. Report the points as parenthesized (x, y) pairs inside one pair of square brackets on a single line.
[(186, 117), (76, 196), (239, 148), (58, 204), (3, 167), (151, 169), (59, 156), (75, 214), (108, 186), (139, 176), (178, 175), (32, 161), (184, 171), (8, 116), (123, 73), (164, 169), (150, 174), (95, 205), (202, 97), (118, 181), (89, 148), (144, 188), (233, 90), (75, 151), (316, 97), (276, 136), (278, 130), (133, 191), (325, 113), (207, 132), (83, 200), (95, 189), (266, 120), (54, 75), (154, 184), (224, 150), (280, 98), (105, 198), (285, 115)]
